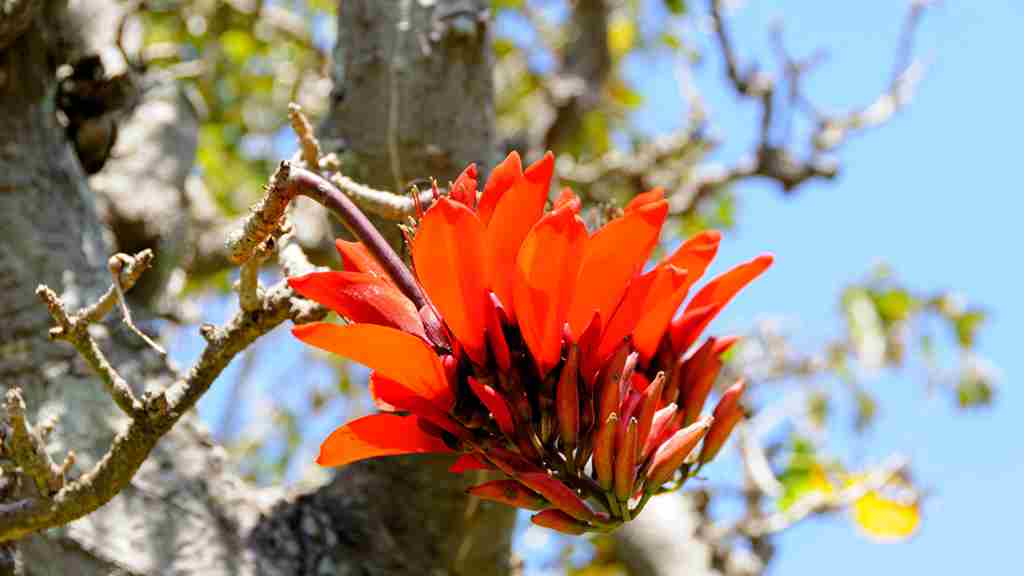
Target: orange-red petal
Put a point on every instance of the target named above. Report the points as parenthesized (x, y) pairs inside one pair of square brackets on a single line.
[(615, 254), (716, 294), (398, 356), (464, 188), (546, 272), (377, 435), (696, 254), (503, 177), (662, 301), (514, 216), (395, 396), (568, 198), (449, 259), (361, 297), (356, 258), (652, 196)]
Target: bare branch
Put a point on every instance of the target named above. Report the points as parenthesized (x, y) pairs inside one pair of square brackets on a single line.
[(289, 182), (151, 417), (27, 449), (774, 158), (308, 144)]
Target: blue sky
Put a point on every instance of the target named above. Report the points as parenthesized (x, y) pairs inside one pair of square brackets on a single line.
[(933, 193)]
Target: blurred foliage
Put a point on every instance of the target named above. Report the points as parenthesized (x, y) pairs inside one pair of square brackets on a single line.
[(242, 62)]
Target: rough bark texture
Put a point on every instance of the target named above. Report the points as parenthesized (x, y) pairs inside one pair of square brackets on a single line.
[(413, 89), (185, 511), (426, 111)]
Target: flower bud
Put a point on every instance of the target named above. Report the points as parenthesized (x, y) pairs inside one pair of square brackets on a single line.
[(727, 414), (608, 393), (604, 451), (671, 454), (661, 429), (648, 406), (567, 401), (558, 494), (625, 462), (557, 520), (494, 321), (700, 371), (496, 404), (509, 492)]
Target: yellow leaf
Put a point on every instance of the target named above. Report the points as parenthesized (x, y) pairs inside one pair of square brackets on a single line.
[(887, 519), (621, 36)]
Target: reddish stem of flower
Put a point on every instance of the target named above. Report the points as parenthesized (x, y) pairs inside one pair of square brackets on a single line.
[(323, 191)]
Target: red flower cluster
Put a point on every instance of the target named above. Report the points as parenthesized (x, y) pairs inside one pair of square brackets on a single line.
[(542, 350)]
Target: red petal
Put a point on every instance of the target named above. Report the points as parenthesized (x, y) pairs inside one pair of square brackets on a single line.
[(716, 294), (515, 214), (356, 258), (396, 355), (546, 272), (663, 300), (361, 297), (496, 333), (449, 259), (377, 435), (652, 196), (377, 381), (468, 462), (503, 177), (568, 198), (464, 188), (696, 254), (387, 392), (496, 404), (628, 313), (615, 254)]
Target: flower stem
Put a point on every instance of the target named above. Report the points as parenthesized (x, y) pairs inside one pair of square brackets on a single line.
[(323, 191)]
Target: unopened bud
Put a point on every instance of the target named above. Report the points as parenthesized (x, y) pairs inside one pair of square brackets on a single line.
[(494, 320), (671, 454), (560, 495), (557, 520), (661, 429), (496, 404), (567, 401), (700, 371), (648, 406), (509, 492), (625, 462), (727, 414), (604, 451)]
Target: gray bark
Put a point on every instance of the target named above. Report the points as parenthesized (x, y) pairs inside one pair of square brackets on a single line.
[(185, 511), (426, 112)]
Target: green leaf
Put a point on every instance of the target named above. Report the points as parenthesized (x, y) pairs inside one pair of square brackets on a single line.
[(967, 327), (676, 6)]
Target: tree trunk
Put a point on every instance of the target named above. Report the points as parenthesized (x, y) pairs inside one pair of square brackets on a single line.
[(185, 511), (413, 99)]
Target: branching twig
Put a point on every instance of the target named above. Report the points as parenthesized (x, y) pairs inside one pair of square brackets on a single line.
[(818, 502), (779, 161), (60, 500), (289, 182)]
